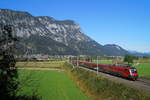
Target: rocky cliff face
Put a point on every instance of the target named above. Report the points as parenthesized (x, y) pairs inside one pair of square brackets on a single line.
[(26, 25), (42, 34), (116, 50)]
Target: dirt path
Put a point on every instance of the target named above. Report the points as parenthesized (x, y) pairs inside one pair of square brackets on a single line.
[(31, 68), (141, 84)]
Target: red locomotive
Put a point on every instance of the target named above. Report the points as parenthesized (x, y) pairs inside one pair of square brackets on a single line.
[(121, 70)]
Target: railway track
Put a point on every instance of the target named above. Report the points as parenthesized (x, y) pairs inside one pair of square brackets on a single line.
[(144, 81), (141, 84)]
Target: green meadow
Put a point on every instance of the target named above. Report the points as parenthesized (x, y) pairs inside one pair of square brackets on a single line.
[(144, 69), (103, 61), (48, 85), (57, 85)]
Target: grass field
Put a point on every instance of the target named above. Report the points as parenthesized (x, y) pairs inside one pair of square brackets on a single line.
[(103, 61), (55, 64), (56, 85), (49, 85), (143, 69)]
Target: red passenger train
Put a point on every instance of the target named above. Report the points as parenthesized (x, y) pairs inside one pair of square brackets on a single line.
[(121, 70)]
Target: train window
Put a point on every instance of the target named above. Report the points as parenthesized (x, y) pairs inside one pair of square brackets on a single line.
[(133, 70), (125, 69)]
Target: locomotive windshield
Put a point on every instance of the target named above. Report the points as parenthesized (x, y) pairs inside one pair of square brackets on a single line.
[(133, 70)]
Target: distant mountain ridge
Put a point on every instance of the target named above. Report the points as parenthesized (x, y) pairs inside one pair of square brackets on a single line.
[(46, 35), (113, 49), (139, 53)]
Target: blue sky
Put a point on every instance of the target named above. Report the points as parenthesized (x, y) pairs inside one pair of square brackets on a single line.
[(122, 22)]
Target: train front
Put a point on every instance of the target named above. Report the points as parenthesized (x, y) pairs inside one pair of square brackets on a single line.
[(133, 73)]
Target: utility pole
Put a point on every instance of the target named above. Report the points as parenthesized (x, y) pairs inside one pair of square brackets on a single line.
[(69, 59), (72, 62), (97, 64), (77, 61)]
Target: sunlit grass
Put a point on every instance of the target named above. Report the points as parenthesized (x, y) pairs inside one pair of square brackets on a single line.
[(49, 85), (144, 69), (103, 61)]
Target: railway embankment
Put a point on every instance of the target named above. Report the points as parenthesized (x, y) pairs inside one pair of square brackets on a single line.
[(101, 88)]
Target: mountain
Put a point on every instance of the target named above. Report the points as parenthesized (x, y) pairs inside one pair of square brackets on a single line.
[(113, 49), (46, 35), (139, 53)]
